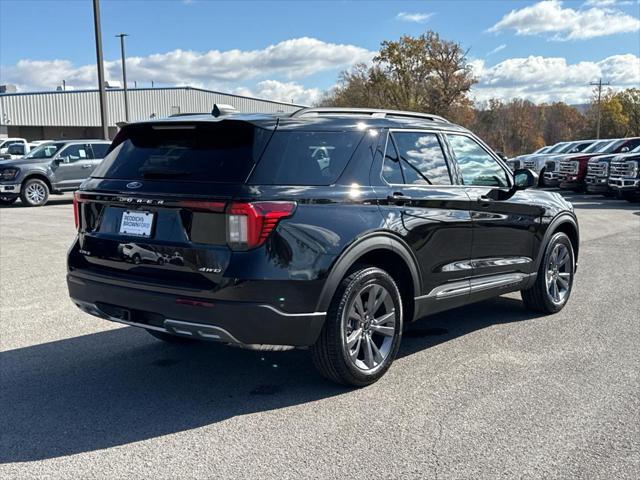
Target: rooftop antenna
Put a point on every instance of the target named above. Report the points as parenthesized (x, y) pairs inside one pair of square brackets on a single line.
[(222, 109)]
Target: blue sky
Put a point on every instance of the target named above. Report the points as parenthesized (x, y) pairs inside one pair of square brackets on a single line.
[(543, 50)]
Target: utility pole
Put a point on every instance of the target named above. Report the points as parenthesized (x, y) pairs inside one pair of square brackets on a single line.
[(599, 84), (103, 96), (124, 76)]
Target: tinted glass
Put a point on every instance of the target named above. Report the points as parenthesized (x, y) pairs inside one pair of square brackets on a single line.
[(16, 149), (76, 152), (305, 158), (391, 170), (476, 165), (632, 144), (423, 162), (596, 146), (223, 152), (99, 149), (47, 150), (557, 147), (613, 147)]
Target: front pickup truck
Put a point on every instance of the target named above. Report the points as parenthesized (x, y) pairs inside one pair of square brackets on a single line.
[(625, 177), (573, 171)]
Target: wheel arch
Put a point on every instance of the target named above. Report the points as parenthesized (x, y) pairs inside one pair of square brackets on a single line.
[(383, 250), (567, 224), (39, 176)]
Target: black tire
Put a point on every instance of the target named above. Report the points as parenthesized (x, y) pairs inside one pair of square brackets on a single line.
[(136, 259), (539, 297), (541, 181), (330, 353), (7, 201), (168, 338), (34, 193)]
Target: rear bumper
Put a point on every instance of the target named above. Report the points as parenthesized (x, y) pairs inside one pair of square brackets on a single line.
[(242, 323)]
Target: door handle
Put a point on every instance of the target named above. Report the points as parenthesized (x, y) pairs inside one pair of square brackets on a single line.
[(484, 200), (398, 198), (87, 166)]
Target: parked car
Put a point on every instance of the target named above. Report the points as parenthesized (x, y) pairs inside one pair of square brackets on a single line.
[(537, 163), (599, 169), (573, 168), (625, 175), (52, 168), (518, 162), (5, 143), (403, 215), (15, 150)]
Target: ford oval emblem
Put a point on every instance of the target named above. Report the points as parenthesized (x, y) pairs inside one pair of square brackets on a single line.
[(134, 185)]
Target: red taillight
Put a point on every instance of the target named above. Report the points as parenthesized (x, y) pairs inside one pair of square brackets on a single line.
[(249, 224), (203, 205), (76, 210)]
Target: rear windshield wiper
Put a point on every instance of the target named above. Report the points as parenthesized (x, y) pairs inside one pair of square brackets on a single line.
[(150, 172)]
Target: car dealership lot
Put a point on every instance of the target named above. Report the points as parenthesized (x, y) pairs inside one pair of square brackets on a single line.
[(486, 391)]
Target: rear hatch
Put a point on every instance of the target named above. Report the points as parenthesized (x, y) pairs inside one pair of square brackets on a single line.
[(156, 210)]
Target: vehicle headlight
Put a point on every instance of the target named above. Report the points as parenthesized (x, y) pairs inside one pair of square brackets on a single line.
[(632, 166), (9, 173)]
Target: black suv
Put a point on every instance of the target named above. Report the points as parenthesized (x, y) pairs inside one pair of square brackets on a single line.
[(328, 228)]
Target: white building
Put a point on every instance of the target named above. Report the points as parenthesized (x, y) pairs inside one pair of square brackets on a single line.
[(76, 113)]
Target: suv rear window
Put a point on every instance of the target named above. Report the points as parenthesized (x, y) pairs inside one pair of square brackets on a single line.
[(223, 152), (305, 158)]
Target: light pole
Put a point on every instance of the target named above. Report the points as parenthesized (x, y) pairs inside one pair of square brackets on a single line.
[(124, 76), (103, 100)]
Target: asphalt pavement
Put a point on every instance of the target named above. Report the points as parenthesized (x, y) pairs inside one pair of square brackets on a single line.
[(488, 391)]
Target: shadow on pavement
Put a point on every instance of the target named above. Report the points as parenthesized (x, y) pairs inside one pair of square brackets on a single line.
[(121, 386), (53, 200)]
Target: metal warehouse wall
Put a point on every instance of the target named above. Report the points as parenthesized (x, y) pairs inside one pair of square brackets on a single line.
[(81, 108)]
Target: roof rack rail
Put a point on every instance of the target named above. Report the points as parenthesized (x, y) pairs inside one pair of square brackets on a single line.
[(373, 112)]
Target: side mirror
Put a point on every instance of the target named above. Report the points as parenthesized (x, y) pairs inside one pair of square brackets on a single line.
[(60, 160), (502, 156), (524, 178), (624, 149)]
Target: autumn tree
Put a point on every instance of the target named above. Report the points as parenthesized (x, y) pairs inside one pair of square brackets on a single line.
[(562, 122), (424, 73), (630, 100), (613, 120)]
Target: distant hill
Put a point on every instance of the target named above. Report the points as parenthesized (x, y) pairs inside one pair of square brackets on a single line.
[(582, 108)]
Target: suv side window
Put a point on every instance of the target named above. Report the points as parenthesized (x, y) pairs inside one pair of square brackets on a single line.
[(76, 152), (422, 158), (99, 150), (476, 165), (391, 170)]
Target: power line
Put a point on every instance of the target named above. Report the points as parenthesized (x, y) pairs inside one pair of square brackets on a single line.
[(599, 84)]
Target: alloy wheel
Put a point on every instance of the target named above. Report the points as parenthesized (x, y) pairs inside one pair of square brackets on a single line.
[(558, 273), (36, 193), (369, 327)]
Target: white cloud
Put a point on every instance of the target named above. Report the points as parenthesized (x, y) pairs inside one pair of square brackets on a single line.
[(414, 17), (282, 92), (550, 17), (606, 3), (290, 59), (499, 48), (547, 79)]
